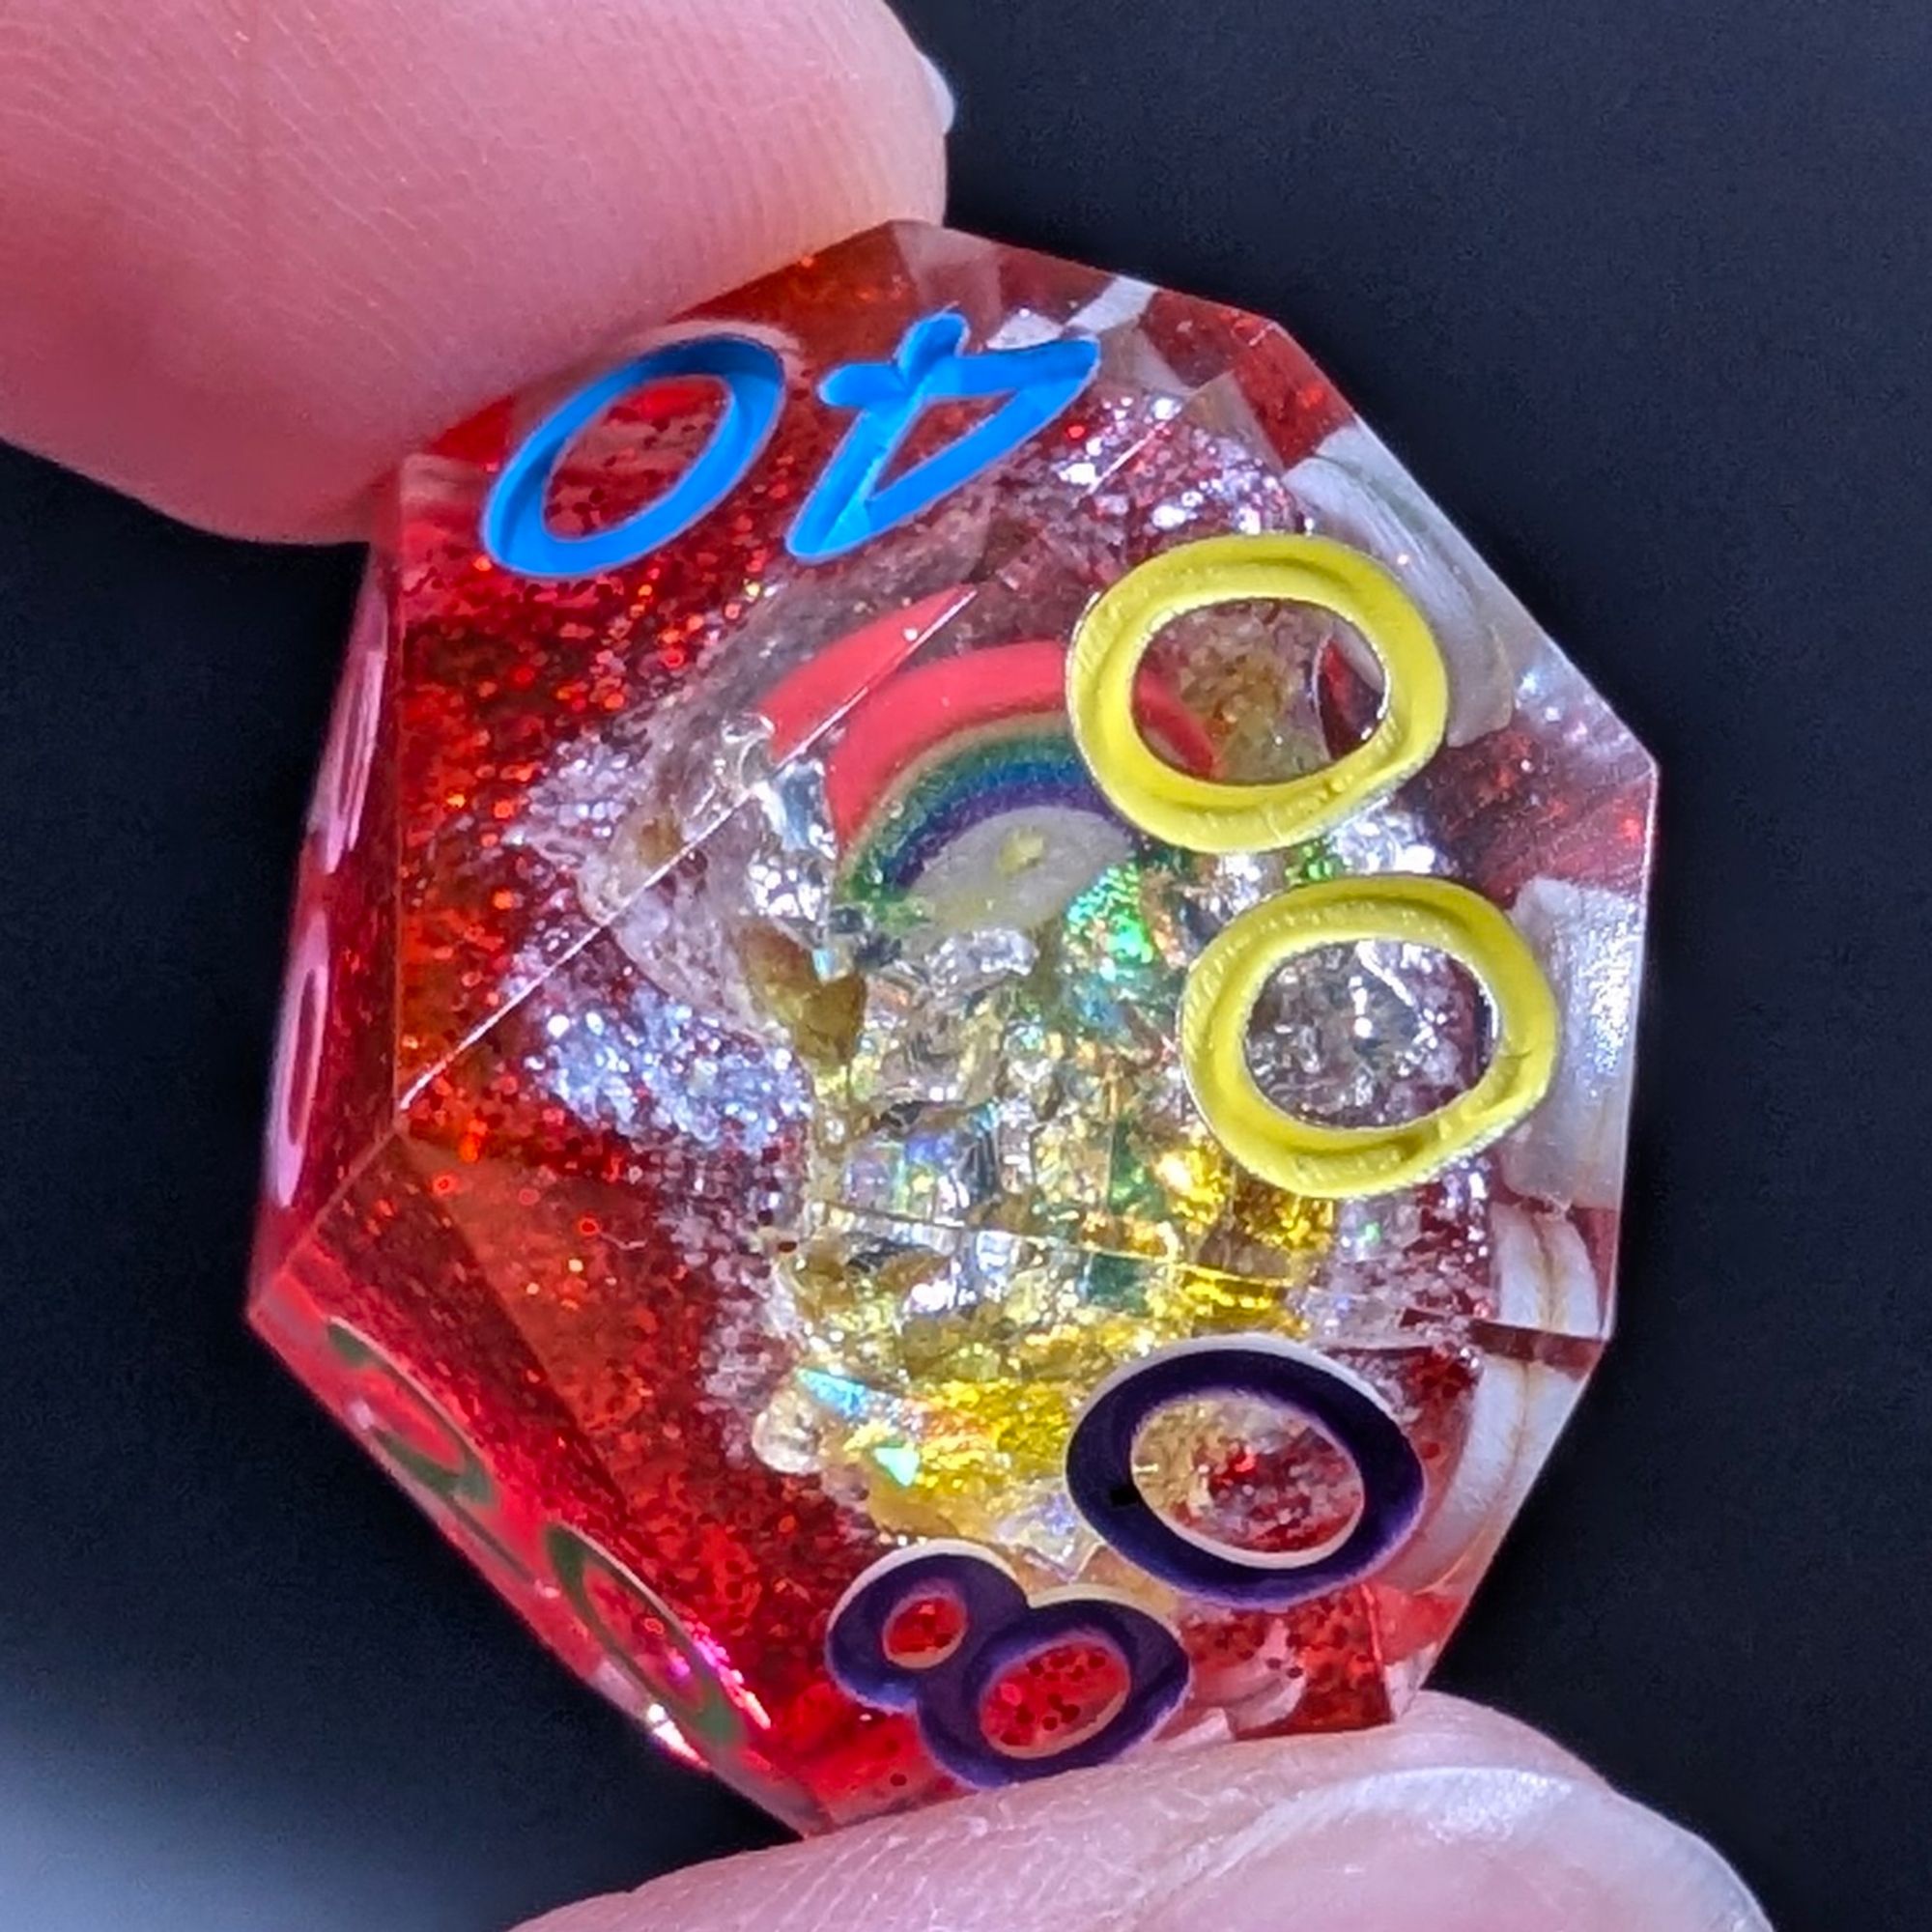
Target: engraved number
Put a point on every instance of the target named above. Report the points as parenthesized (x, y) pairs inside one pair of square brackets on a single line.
[(1205, 815)]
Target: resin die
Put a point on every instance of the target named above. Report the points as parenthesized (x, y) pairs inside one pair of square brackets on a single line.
[(959, 1031)]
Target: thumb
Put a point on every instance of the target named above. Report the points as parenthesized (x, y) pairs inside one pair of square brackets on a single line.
[(255, 254), (1456, 1820)]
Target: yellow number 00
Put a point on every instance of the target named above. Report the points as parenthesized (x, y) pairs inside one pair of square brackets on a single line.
[(1205, 815)]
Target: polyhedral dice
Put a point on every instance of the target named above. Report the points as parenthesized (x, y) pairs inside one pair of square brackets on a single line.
[(956, 1060)]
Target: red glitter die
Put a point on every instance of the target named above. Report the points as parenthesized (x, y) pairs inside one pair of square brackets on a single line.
[(959, 1029)]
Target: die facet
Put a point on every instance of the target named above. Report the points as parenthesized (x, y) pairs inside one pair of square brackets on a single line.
[(959, 1029)]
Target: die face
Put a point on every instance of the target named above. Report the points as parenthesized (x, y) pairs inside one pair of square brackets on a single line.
[(748, 1152)]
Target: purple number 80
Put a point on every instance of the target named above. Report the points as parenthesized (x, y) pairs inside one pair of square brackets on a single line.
[(1000, 1627)]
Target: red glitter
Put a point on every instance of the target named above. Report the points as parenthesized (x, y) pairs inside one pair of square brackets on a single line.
[(1054, 1698)]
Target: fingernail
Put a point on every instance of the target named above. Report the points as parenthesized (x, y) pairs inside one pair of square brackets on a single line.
[(1488, 1849), (942, 93)]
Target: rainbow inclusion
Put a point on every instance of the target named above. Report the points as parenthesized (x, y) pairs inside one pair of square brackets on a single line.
[(996, 774)]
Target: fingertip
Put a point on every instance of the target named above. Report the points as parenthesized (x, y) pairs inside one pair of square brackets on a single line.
[(1456, 1820), (253, 268)]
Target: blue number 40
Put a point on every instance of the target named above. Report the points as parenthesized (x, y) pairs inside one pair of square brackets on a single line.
[(851, 503)]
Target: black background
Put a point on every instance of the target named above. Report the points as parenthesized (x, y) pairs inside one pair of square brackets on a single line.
[(1639, 292)]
